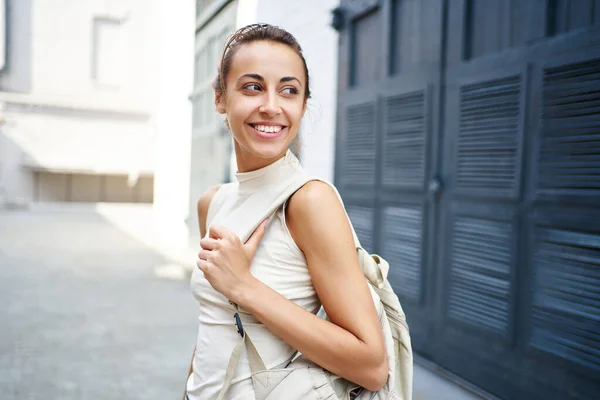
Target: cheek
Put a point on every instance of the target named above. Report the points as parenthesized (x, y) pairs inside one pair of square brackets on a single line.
[(295, 115), (239, 111), (234, 116)]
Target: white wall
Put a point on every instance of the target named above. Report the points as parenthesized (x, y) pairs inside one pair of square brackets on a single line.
[(62, 51), (174, 39), (80, 140), (54, 113), (309, 23)]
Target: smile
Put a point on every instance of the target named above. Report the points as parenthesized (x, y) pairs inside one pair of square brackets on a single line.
[(268, 132), (268, 128)]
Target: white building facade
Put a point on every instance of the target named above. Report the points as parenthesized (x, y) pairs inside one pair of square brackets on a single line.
[(78, 101)]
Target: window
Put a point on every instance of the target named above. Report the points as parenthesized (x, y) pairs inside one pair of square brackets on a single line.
[(210, 58), (206, 66), (109, 55), (3, 36), (199, 68), (201, 5)]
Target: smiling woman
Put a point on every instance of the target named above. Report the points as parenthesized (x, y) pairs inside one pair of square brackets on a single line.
[(267, 86), (301, 258)]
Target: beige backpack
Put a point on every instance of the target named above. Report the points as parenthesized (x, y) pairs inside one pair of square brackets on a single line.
[(304, 380)]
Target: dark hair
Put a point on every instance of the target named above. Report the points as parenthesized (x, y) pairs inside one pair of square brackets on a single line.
[(252, 33)]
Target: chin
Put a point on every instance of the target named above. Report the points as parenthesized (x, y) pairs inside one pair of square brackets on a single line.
[(269, 150)]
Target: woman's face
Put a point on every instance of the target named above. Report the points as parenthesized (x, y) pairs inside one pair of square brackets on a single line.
[(264, 100)]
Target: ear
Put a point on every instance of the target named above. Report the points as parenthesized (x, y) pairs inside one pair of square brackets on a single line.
[(220, 103)]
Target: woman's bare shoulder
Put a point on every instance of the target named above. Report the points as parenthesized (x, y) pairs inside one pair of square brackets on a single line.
[(311, 196), (314, 206)]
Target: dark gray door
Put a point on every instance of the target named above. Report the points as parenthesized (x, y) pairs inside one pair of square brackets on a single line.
[(520, 225), (388, 141), (469, 156)]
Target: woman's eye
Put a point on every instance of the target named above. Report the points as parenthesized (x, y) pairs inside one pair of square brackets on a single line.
[(290, 90), (252, 87)]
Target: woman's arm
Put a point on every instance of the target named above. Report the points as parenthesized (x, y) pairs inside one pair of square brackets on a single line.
[(353, 345)]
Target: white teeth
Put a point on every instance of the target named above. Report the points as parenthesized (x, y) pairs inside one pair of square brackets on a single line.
[(268, 129)]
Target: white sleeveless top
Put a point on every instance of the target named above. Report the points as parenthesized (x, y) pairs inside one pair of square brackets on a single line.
[(278, 262)]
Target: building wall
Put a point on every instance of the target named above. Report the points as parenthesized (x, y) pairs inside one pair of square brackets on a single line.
[(175, 23), (74, 40), (77, 96), (86, 188)]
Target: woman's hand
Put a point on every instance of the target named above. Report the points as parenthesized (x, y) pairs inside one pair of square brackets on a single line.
[(225, 260)]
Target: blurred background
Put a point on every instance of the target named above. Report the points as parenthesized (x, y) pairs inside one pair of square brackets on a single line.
[(464, 136)]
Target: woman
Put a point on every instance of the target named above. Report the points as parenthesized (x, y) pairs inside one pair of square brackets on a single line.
[(301, 258)]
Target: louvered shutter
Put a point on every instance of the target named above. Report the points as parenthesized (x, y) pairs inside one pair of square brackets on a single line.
[(359, 149), (481, 236), (488, 139), (566, 234), (404, 158)]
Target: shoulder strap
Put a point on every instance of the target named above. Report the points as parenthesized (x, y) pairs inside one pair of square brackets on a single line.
[(268, 200)]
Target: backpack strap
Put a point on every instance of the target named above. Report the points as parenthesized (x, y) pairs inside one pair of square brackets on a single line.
[(256, 363), (268, 200)]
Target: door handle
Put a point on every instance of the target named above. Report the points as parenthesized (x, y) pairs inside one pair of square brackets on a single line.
[(435, 186)]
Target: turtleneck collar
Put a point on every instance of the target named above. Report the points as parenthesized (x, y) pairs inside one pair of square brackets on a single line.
[(259, 178)]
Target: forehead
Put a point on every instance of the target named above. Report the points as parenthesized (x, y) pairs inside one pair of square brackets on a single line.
[(269, 59)]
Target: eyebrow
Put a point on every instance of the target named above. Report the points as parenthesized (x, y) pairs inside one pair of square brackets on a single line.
[(260, 78)]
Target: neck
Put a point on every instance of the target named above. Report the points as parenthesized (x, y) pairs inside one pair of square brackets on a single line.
[(247, 161)]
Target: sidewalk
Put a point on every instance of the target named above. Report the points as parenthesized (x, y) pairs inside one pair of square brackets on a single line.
[(429, 385)]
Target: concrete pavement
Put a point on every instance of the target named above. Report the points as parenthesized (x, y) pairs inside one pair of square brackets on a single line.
[(92, 311), (85, 315)]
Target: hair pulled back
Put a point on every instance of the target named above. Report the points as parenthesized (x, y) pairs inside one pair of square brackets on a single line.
[(252, 33)]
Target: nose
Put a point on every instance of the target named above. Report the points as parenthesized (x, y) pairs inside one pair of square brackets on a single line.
[(270, 105)]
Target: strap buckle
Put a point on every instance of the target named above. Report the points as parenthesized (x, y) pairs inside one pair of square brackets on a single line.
[(238, 323)]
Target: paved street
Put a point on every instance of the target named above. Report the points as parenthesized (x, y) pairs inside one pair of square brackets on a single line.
[(90, 312), (85, 315)]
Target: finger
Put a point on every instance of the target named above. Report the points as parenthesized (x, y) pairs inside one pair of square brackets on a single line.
[(203, 255), (202, 265), (218, 232), (257, 236), (210, 244)]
